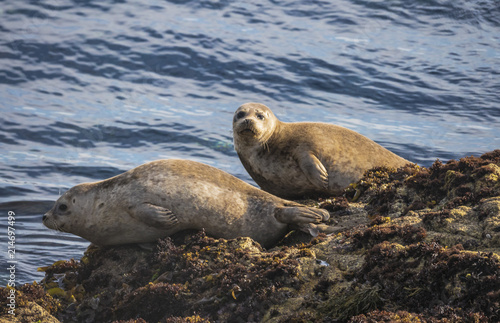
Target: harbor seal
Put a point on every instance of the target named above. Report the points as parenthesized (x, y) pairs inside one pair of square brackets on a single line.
[(164, 197), (303, 159)]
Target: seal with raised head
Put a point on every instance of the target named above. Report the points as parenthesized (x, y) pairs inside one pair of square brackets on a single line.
[(303, 159), (164, 197)]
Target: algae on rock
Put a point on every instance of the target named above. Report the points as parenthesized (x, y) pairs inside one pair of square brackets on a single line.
[(417, 245)]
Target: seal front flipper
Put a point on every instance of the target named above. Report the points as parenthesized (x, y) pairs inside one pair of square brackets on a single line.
[(300, 215), (314, 170), (153, 215)]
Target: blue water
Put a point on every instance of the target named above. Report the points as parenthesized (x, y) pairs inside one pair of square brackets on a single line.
[(90, 89)]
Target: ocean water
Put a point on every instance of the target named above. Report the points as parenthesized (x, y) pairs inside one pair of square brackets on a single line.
[(90, 89)]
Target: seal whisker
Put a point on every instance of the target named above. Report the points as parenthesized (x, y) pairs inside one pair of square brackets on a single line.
[(265, 145), (57, 226), (52, 224)]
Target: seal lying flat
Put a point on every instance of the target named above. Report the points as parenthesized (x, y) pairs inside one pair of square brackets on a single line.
[(303, 159), (164, 197)]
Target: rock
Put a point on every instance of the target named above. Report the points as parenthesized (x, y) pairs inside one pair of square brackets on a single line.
[(31, 312), (33, 304), (417, 245)]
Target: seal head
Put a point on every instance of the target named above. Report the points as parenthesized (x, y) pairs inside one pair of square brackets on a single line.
[(254, 124), (62, 215)]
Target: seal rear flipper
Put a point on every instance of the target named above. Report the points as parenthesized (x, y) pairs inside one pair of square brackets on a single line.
[(154, 215), (300, 215), (314, 170)]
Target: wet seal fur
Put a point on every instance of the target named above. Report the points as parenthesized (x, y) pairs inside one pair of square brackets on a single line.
[(164, 197), (303, 159)]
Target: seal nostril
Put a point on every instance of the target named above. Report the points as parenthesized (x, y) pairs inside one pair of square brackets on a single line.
[(44, 217)]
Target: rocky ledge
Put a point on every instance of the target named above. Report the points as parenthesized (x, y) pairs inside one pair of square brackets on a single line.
[(417, 245)]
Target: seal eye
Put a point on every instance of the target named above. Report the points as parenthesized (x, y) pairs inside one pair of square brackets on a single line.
[(63, 207), (260, 116), (240, 115)]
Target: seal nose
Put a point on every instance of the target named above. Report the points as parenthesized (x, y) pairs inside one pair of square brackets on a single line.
[(44, 217), (248, 122)]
